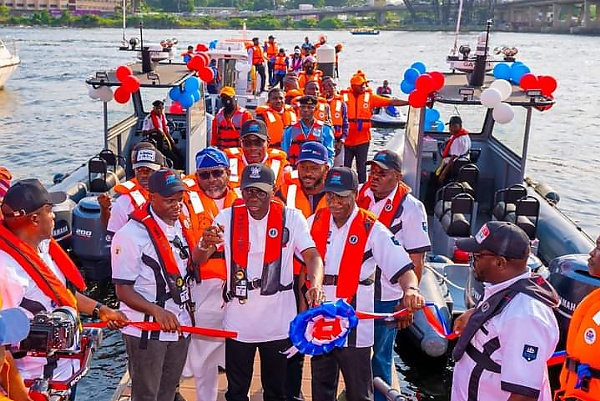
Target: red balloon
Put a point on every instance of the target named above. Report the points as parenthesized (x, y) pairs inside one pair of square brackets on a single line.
[(201, 47), (195, 64), (131, 83), (123, 72), (122, 95), (417, 98), (206, 74), (529, 81), (205, 59), (547, 85), (176, 108), (438, 80), (424, 83)]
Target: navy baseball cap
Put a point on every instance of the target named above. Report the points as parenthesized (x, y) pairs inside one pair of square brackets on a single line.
[(255, 127), (341, 181), (211, 157), (27, 196), (165, 182), (455, 120), (499, 237), (259, 176), (14, 326), (386, 159), (314, 152)]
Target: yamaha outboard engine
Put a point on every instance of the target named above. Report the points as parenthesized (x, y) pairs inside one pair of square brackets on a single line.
[(569, 276), (91, 246), (63, 222)]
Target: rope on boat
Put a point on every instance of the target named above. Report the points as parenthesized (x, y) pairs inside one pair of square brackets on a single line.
[(446, 279)]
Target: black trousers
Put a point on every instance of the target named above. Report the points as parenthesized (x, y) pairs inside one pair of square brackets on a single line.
[(293, 380), (360, 152), (260, 70), (271, 67), (355, 364), (239, 364)]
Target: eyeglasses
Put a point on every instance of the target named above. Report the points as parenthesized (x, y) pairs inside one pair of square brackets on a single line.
[(205, 175), (183, 252), (479, 255), (247, 143), (248, 192)]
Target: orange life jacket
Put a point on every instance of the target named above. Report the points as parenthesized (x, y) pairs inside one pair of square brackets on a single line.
[(136, 193), (271, 49), (337, 118), (295, 198), (280, 63), (276, 122), (257, 55), (392, 209), (299, 137), (303, 78), (228, 129), (354, 250), (583, 347), (202, 211), (276, 159), (359, 117), (35, 267)]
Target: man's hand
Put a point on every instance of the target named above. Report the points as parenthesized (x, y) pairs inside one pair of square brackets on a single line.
[(404, 321), (338, 146), (105, 201), (212, 236), (114, 319), (413, 300), (167, 320), (461, 322), (315, 296)]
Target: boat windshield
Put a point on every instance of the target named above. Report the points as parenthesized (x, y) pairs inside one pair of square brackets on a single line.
[(117, 112), (149, 95), (511, 134), (472, 116)]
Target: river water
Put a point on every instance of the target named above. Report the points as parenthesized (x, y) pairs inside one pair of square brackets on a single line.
[(48, 124)]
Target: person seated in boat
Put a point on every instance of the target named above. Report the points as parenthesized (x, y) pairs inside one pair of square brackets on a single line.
[(255, 149), (212, 87), (335, 229), (277, 116), (210, 185), (322, 112), (296, 60), (457, 146), (260, 301), (37, 274), (131, 194), (580, 376), (150, 257), (361, 102), (385, 89), (309, 72), (280, 68), (506, 341), (385, 195), (307, 129), (5, 178), (187, 56), (339, 118), (155, 126), (227, 124)]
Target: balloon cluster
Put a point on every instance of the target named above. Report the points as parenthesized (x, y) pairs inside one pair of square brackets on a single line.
[(512, 72), (103, 93), (545, 83), (199, 63), (432, 120), (129, 84), (188, 96), (494, 97), (419, 84)]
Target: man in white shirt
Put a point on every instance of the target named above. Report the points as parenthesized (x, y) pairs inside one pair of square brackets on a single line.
[(390, 199), (458, 145), (352, 243), (151, 255), (507, 339), (260, 236)]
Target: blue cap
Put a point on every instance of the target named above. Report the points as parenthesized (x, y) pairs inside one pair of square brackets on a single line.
[(211, 157), (14, 326), (341, 181), (314, 152)]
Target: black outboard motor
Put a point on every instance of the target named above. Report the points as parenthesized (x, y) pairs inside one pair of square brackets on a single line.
[(91, 246), (569, 276), (63, 222)]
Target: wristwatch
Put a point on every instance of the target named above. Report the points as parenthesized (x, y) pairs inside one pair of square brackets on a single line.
[(96, 311)]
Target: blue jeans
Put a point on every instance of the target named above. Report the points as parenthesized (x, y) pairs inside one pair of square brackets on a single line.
[(382, 360)]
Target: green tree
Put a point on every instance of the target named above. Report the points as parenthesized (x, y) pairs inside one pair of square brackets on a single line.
[(330, 24), (4, 12), (308, 23)]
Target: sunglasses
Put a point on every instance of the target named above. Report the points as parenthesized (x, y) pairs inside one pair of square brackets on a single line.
[(248, 192), (183, 252), (205, 175)]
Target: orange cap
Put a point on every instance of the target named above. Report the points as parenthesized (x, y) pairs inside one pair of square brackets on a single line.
[(358, 79)]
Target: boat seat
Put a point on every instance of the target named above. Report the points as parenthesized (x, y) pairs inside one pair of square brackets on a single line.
[(526, 215), (97, 173), (474, 154), (505, 200), (468, 176), (456, 222), (444, 197)]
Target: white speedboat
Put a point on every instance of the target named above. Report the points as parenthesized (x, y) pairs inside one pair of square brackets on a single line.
[(388, 117), (9, 62)]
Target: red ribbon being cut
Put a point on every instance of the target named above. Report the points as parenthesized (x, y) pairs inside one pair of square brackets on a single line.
[(154, 326)]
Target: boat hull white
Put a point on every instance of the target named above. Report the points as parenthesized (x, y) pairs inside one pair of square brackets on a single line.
[(6, 71)]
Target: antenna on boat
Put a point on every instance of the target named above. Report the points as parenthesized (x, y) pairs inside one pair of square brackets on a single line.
[(481, 54), (458, 18)]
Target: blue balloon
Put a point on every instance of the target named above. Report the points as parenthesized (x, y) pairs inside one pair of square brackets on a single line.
[(517, 72), (407, 87), (213, 44), (411, 75), (175, 93), (431, 116), (502, 71), (187, 58), (196, 96), (186, 101), (439, 126), (192, 85), (419, 66)]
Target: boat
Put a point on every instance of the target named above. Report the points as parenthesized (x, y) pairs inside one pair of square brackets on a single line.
[(364, 31), (9, 61), (388, 117)]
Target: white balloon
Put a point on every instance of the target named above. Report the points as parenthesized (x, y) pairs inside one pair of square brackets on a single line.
[(504, 87), (490, 98), (503, 113), (93, 92), (105, 94)]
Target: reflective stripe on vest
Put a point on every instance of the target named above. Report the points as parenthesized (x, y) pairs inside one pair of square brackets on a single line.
[(291, 196)]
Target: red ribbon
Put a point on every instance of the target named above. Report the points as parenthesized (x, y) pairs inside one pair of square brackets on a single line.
[(154, 326)]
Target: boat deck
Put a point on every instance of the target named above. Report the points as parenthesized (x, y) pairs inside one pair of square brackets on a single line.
[(187, 389)]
